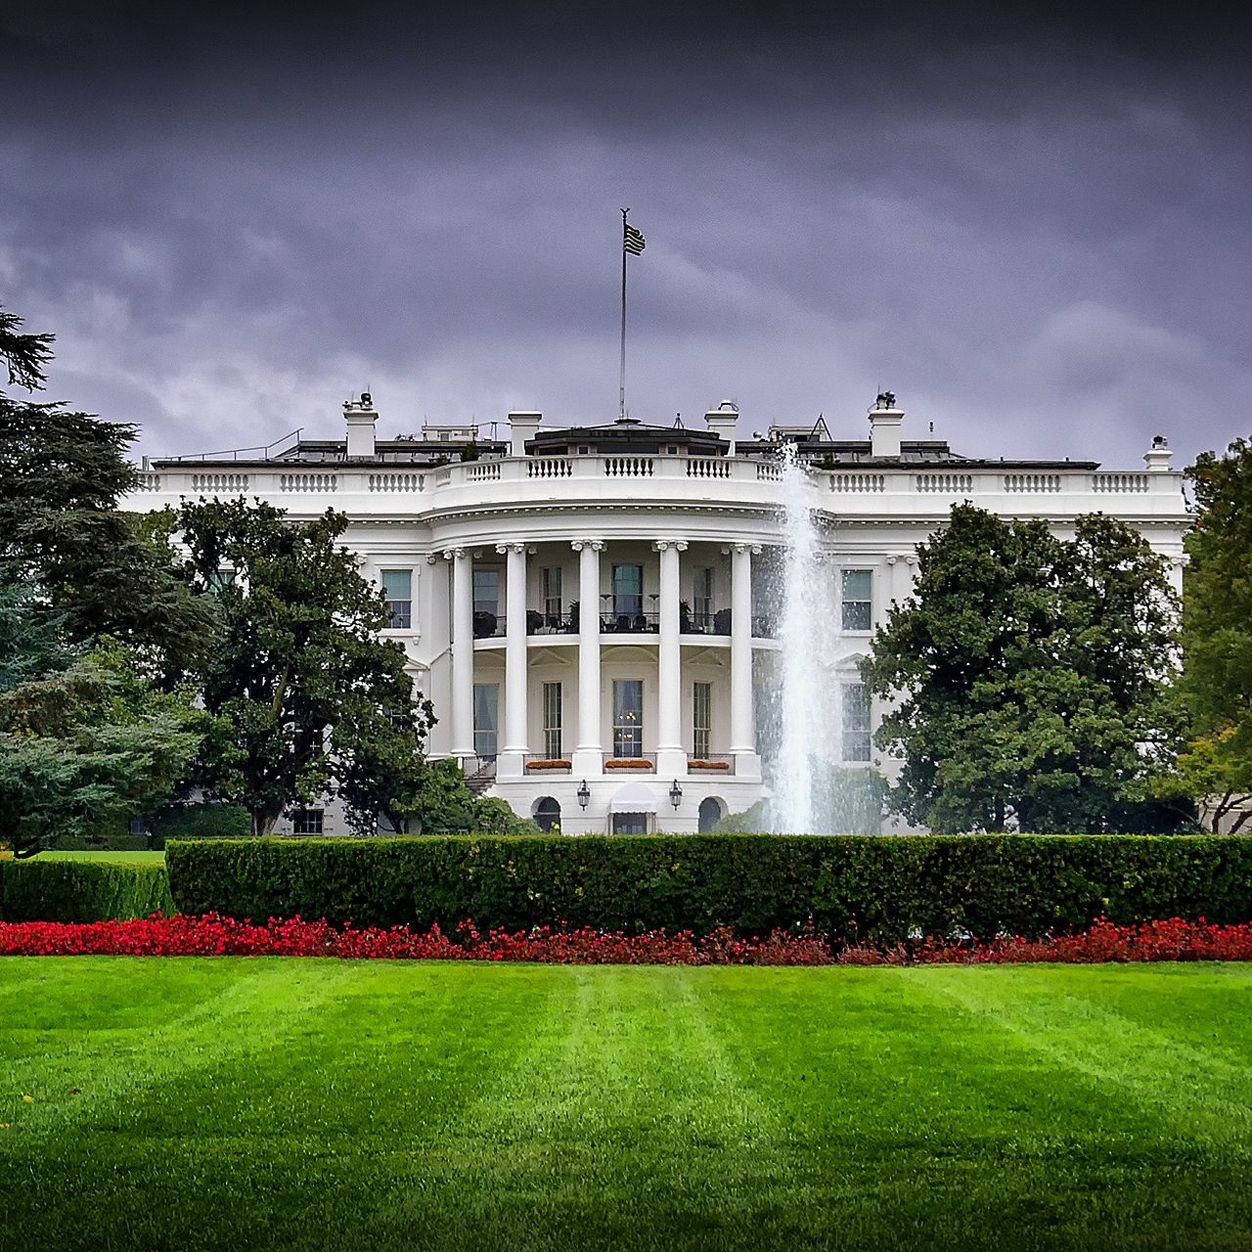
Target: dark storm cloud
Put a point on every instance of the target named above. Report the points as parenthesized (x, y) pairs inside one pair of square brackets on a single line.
[(1030, 223)]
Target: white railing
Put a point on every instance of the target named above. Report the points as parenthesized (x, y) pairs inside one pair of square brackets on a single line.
[(397, 482), (219, 482), (628, 467), (1119, 483), (550, 467), (708, 467), (944, 482), (149, 482), (482, 471), (308, 482), (768, 472), (1032, 482), (841, 483)]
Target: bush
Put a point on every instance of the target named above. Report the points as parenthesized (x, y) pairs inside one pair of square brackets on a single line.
[(201, 821), (849, 887), (80, 891)]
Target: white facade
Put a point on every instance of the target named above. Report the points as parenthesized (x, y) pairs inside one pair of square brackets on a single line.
[(649, 704)]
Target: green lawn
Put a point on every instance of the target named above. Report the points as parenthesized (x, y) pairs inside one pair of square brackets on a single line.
[(107, 858), (247, 1104)]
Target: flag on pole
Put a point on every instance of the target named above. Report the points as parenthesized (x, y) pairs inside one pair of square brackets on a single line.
[(632, 240)]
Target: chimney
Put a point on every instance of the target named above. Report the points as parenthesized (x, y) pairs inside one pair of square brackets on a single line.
[(884, 426), (522, 426), (722, 421), (1157, 457), (360, 416)]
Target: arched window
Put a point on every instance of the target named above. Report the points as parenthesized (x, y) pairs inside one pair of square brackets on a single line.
[(547, 813), (711, 812)]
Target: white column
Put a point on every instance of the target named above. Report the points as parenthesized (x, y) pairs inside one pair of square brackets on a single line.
[(589, 754), (671, 757), (462, 651), (512, 761), (742, 719)]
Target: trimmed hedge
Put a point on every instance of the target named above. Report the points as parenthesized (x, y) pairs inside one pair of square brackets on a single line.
[(876, 888), (80, 891)]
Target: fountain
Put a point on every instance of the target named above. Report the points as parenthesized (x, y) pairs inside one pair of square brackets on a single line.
[(807, 713)]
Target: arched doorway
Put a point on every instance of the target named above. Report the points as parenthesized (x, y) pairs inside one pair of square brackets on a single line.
[(711, 812), (547, 813)]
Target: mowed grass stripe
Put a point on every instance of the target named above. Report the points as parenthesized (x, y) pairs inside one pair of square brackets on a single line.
[(342, 1105)]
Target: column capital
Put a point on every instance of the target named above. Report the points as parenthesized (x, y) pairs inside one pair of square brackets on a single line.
[(660, 545), (502, 548), (741, 548), (432, 558), (453, 554), (891, 560), (596, 545)]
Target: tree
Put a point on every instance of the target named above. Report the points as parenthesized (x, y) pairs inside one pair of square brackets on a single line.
[(1029, 676), (1216, 685), (62, 474), (315, 701), (85, 740)]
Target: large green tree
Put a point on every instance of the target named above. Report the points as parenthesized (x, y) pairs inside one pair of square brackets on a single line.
[(62, 474), (1028, 676), (316, 703), (1216, 687), (85, 740)]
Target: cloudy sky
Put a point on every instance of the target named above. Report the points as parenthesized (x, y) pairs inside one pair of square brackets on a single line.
[(1033, 226)]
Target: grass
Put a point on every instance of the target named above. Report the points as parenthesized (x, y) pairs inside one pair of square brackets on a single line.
[(107, 858), (247, 1104)]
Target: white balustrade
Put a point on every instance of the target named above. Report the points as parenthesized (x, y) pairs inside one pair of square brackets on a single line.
[(768, 472), (628, 467), (219, 482), (944, 483), (858, 482), (1119, 483), (397, 482), (550, 467), (1032, 482), (708, 467), (308, 482)]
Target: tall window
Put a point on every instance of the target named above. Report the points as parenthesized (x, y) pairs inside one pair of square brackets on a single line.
[(306, 821), (552, 720), (702, 597), (220, 579), (486, 719), (627, 717), (398, 592), (857, 599), (627, 590), (487, 591), (701, 718), (552, 596), (856, 729)]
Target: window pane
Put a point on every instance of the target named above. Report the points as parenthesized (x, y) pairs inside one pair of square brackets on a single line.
[(552, 595), (486, 591), (701, 718), (486, 714), (627, 589), (856, 722), (857, 599), (628, 717), (398, 592), (552, 720)]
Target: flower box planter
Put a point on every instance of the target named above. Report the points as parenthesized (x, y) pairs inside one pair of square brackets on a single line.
[(553, 764), (723, 765), (628, 762)]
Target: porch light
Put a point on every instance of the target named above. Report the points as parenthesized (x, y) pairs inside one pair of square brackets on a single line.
[(584, 794), (675, 794)]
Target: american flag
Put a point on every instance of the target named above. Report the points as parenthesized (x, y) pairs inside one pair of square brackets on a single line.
[(632, 240)]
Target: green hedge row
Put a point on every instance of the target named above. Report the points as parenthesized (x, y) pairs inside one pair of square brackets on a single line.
[(869, 886), (80, 891)]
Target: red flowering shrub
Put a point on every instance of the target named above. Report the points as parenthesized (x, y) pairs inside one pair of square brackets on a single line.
[(211, 935)]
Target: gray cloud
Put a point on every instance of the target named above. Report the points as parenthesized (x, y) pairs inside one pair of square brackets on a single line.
[(1032, 229)]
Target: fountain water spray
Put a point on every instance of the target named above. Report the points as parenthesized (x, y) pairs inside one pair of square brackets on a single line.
[(807, 698)]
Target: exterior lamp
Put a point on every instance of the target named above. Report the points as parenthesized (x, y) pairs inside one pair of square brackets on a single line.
[(584, 794), (675, 794)]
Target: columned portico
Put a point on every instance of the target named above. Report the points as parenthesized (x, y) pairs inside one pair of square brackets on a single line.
[(462, 651), (589, 754), (512, 760), (671, 756), (742, 719)]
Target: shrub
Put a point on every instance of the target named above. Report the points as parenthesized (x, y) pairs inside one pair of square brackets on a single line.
[(80, 891), (850, 888)]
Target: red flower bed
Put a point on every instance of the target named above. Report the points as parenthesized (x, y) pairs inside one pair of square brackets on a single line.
[(1172, 940)]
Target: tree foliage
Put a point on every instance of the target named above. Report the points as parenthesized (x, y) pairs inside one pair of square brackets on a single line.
[(62, 474), (85, 740), (1029, 676), (1216, 687), (315, 701)]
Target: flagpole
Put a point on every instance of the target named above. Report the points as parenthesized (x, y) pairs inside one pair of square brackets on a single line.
[(621, 386)]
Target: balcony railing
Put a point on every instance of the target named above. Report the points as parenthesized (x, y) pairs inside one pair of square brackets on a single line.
[(631, 763), (714, 622)]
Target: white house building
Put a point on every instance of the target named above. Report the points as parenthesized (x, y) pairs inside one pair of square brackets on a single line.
[(592, 610)]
